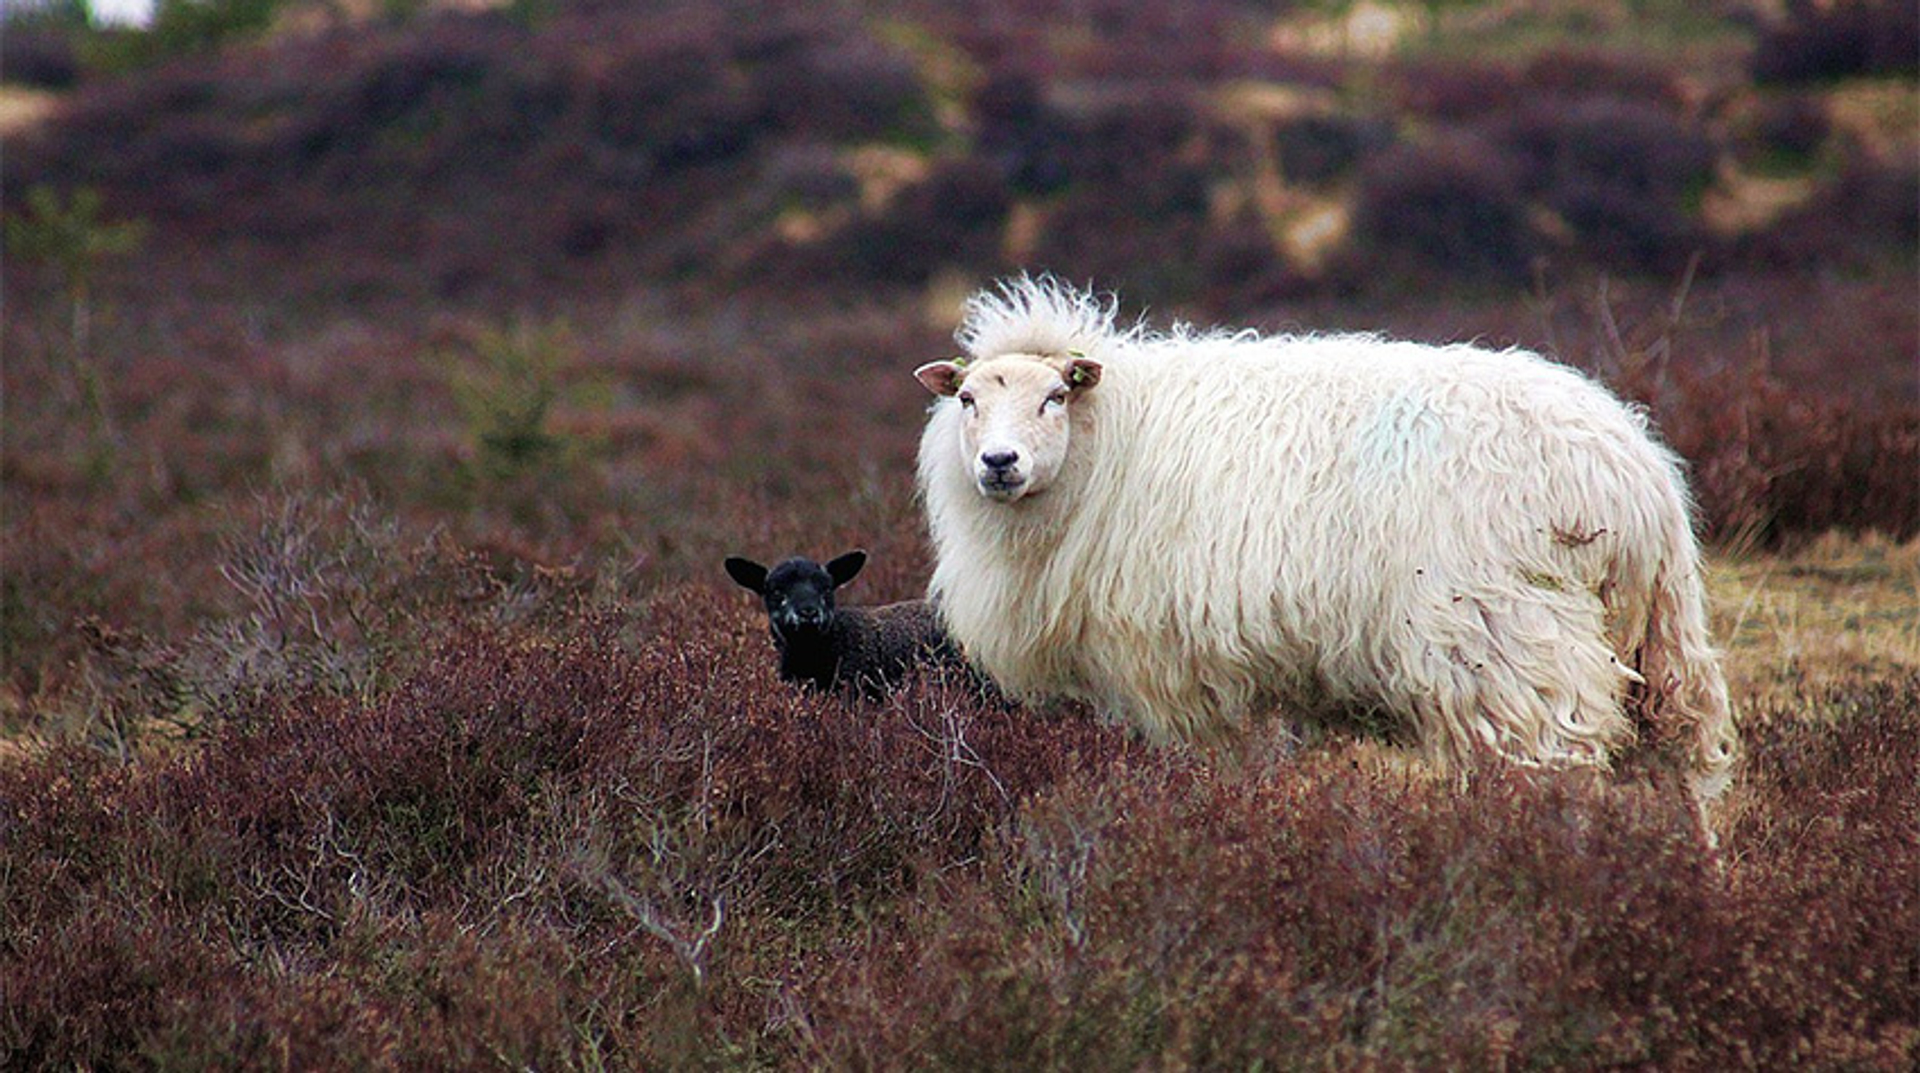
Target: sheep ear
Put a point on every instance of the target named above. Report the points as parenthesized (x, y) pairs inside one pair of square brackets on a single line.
[(749, 574), (1082, 373), (843, 569), (941, 377)]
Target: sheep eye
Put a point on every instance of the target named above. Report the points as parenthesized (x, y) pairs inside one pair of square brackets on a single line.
[(1057, 399), (966, 400)]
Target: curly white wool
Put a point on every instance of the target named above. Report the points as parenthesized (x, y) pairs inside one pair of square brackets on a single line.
[(1485, 543)]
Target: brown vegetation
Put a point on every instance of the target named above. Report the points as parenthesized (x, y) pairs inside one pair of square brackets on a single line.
[(372, 696)]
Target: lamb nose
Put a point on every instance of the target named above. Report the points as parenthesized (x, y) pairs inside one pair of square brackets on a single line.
[(999, 459)]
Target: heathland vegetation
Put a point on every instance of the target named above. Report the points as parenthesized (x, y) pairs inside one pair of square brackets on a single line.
[(384, 389)]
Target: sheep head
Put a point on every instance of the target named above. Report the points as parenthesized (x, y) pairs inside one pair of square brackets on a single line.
[(1014, 423), (798, 592)]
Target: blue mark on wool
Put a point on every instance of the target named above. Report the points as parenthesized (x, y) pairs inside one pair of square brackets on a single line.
[(1403, 433)]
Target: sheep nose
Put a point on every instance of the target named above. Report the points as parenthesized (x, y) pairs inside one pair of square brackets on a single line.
[(999, 459)]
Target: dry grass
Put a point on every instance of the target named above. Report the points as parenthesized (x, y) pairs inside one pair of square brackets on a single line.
[(1817, 616), (22, 108), (1883, 113), (371, 697)]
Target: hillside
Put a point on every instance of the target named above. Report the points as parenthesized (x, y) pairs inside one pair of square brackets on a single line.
[(1205, 158), (383, 389)]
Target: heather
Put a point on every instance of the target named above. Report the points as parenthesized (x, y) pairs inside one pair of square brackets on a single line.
[(383, 394), (619, 839)]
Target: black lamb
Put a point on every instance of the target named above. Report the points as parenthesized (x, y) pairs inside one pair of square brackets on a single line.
[(869, 649)]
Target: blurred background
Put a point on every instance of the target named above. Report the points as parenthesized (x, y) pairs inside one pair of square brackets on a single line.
[(640, 282), (383, 381)]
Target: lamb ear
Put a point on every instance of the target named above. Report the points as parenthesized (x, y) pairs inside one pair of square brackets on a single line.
[(843, 569), (941, 377), (1082, 373), (749, 574)]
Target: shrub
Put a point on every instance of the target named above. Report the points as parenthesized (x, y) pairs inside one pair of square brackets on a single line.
[(523, 846), (1133, 152), (1573, 74), (1866, 216), (602, 840), (845, 88), (1453, 91), (1029, 142), (1785, 132), (678, 102), (506, 386), (1827, 873), (1134, 196), (39, 53), (1772, 465), (951, 219), (74, 236), (486, 154), (1817, 42), (1328, 908), (1320, 150), (1623, 174), (1178, 917), (1102, 239), (1242, 267), (1452, 206)]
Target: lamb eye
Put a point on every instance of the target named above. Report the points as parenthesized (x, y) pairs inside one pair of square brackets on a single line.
[(966, 400), (1054, 401)]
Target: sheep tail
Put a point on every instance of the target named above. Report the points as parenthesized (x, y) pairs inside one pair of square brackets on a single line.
[(1686, 707)]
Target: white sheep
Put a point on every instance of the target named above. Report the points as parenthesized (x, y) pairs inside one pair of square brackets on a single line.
[(1188, 529)]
